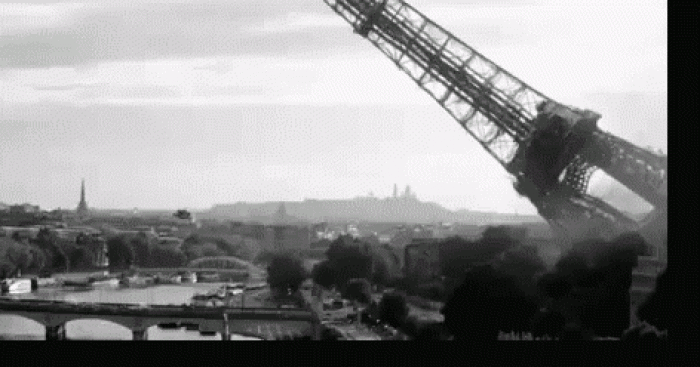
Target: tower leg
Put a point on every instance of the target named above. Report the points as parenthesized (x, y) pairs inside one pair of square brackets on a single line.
[(139, 334), (57, 332)]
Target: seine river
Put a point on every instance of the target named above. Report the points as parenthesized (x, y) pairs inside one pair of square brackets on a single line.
[(12, 327)]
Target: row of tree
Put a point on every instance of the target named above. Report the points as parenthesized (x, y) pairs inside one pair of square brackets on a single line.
[(145, 251), (502, 285), (348, 258), (46, 252), (206, 243), (585, 295), (49, 253)]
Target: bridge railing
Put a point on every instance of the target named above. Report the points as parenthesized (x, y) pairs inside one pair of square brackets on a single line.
[(203, 270)]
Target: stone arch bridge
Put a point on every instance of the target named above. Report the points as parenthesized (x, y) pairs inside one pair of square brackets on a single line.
[(260, 323)]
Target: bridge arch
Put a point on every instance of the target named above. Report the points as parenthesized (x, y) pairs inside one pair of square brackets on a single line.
[(16, 324), (50, 319), (74, 329), (220, 262)]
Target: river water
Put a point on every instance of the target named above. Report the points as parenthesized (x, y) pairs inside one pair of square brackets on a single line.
[(15, 327)]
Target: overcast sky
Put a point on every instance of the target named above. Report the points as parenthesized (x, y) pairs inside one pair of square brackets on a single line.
[(192, 103)]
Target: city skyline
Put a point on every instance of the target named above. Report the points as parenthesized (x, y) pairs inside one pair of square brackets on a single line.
[(281, 101)]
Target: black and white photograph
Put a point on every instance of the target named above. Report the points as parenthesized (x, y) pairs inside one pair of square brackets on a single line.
[(453, 170)]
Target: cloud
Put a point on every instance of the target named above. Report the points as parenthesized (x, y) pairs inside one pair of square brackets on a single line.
[(331, 80), (69, 36), (18, 18), (63, 34), (68, 87), (281, 52), (295, 22)]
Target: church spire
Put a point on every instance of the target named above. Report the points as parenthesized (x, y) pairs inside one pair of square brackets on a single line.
[(82, 206), (82, 191)]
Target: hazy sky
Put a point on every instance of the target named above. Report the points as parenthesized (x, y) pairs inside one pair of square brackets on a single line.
[(191, 103)]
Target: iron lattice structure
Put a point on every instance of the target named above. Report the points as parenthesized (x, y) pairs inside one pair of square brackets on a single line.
[(550, 149)]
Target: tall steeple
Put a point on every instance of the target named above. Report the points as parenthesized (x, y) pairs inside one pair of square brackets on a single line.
[(82, 191), (82, 206)]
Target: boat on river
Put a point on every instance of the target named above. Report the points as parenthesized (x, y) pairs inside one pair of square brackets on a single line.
[(103, 280), (111, 282), (16, 286), (168, 279), (217, 298), (47, 282), (169, 326), (138, 281), (188, 277), (78, 283), (234, 289)]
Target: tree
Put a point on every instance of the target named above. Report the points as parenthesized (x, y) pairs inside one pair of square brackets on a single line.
[(167, 257), (393, 309), (323, 274), (572, 265), (431, 331), (358, 290), (433, 291), (380, 275), (503, 237), (655, 307), (120, 254), (286, 272), (192, 239), (7, 269), (193, 252), (59, 259), (39, 260), (55, 256), (19, 256), (457, 254), (141, 248), (80, 258), (349, 262), (248, 250), (212, 250), (524, 264), (548, 323), (485, 303), (265, 257)]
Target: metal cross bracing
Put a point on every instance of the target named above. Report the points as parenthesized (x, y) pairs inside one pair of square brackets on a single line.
[(549, 148), (454, 74)]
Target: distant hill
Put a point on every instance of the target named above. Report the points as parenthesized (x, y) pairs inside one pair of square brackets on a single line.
[(406, 210)]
